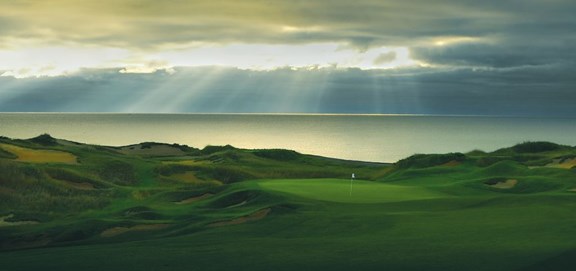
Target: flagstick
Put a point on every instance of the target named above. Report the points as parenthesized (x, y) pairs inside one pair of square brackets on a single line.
[(351, 179), (351, 187)]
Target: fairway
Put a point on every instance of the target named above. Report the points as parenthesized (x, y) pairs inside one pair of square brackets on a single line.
[(338, 190)]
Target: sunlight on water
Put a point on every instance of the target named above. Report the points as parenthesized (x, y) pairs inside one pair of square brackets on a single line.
[(363, 137)]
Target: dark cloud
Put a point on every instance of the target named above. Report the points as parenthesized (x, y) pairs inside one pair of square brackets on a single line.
[(499, 55), (141, 24), (525, 33), (510, 57), (512, 92), (507, 33)]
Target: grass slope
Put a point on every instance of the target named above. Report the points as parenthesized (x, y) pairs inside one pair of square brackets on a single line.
[(221, 208)]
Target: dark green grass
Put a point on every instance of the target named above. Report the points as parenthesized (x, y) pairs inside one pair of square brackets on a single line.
[(479, 233), (416, 215)]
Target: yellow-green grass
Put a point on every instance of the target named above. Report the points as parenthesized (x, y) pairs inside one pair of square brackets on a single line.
[(190, 178), (338, 190), (39, 156), (186, 162), (187, 176)]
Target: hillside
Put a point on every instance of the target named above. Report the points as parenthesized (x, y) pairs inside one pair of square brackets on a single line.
[(529, 167), (79, 206), (78, 192)]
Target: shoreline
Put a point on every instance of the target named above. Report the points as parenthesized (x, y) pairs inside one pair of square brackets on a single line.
[(372, 138)]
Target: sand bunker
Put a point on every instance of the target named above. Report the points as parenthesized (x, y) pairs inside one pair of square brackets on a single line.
[(251, 217), (4, 223), (121, 230), (237, 204), (510, 183), (563, 163), (195, 199), (39, 156)]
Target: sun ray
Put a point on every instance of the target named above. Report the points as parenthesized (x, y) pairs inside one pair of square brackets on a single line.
[(236, 93), (191, 94)]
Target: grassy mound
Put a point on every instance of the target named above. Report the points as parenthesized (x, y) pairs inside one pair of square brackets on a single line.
[(277, 209)]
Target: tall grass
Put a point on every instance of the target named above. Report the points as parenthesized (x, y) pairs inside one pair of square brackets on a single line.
[(117, 171), (27, 188)]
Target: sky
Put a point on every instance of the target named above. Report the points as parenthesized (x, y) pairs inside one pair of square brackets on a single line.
[(445, 57)]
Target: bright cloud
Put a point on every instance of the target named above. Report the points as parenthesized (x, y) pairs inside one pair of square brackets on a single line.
[(266, 57), (54, 61)]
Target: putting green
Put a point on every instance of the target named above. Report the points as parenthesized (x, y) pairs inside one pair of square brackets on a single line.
[(338, 190)]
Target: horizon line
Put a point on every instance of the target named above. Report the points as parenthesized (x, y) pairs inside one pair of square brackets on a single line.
[(292, 114)]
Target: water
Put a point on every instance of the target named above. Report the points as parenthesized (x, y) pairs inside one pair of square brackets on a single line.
[(380, 138)]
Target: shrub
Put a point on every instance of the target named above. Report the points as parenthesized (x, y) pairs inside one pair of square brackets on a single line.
[(44, 140), (278, 154), (533, 147), (429, 160), (214, 149), (186, 148)]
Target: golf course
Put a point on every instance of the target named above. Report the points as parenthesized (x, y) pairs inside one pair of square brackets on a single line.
[(153, 206)]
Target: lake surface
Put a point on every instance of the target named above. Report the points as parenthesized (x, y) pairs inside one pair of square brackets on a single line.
[(380, 138)]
